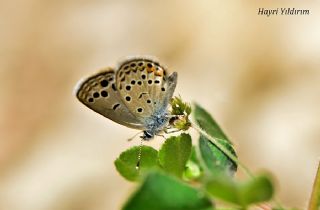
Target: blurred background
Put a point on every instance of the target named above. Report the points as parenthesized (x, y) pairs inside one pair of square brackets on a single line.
[(259, 77)]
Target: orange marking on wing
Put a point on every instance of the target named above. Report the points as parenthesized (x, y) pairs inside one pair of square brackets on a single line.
[(159, 73), (149, 70)]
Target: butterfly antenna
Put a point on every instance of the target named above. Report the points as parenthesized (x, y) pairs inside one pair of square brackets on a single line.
[(135, 135), (139, 155)]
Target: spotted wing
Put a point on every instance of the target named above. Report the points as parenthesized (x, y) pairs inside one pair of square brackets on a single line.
[(99, 93), (144, 86)]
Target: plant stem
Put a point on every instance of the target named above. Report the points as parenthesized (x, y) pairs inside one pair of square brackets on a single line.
[(215, 141), (314, 203)]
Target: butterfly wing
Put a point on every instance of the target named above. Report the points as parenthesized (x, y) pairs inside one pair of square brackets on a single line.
[(170, 86), (99, 93), (144, 86)]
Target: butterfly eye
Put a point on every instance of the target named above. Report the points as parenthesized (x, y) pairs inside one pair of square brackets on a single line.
[(149, 81), (147, 134), (128, 87)]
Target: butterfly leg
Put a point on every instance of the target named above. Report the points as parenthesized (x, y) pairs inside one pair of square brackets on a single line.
[(173, 130), (161, 136), (175, 115)]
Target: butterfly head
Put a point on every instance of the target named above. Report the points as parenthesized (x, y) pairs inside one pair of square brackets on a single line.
[(147, 135)]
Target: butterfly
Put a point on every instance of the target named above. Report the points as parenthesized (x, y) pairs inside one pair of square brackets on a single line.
[(135, 94)]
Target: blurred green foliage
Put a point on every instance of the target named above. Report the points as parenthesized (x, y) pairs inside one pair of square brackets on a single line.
[(185, 176)]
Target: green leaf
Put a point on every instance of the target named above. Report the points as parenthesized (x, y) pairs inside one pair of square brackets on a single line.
[(223, 188), (126, 163), (161, 192), (256, 190), (175, 153), (215, 160), (207, 123), (193, 156), (193, 169)]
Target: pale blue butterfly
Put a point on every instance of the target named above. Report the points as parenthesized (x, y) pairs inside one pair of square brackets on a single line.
[(136, 94)]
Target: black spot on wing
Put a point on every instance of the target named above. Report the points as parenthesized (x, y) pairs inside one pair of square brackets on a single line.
[(104, 93), (114, 87), (96, 95), (104, 83), (128, 98), (115, 106)]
